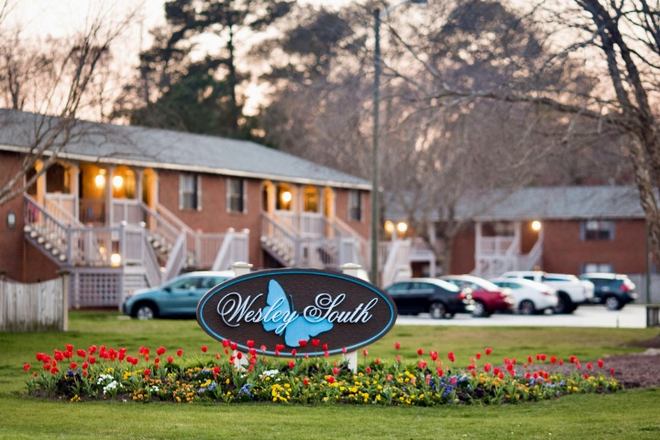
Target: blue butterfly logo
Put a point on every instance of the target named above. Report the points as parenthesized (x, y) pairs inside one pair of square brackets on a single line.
[(280, 308)]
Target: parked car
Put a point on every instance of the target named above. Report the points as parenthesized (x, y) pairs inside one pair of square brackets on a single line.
[(571, 291), (436, 297), (529, 296), (488, 298), (175, 298), (613, 290)]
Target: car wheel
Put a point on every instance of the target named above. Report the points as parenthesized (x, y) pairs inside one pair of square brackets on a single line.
[(613, 303), (527, 308), (564, 305), (480, 310), (145, 311), (437, 310)]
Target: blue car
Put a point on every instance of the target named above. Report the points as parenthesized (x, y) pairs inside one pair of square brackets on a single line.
[(175, 298)]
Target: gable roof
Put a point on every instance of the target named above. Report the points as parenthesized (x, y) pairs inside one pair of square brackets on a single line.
[(557, 203), (541, 203), (164, 149)]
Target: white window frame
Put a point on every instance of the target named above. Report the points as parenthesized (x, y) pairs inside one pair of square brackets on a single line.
[(183, 190), (232, 196), (355, 195)]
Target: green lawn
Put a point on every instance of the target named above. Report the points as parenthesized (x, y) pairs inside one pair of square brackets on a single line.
[(630, 414)]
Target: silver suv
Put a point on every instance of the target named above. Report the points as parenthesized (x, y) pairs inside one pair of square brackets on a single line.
[(571, 291)]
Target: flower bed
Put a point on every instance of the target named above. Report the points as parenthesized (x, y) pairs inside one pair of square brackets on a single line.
[(107, 374)]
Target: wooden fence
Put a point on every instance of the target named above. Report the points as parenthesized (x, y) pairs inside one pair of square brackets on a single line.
[(34, 307)]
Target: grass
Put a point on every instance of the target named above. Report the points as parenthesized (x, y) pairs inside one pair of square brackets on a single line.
[(629, 414)]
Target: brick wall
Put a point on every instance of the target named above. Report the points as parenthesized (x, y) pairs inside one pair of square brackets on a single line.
[(565, 252)]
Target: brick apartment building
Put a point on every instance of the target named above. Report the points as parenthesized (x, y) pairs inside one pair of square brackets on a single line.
[(127, 207)]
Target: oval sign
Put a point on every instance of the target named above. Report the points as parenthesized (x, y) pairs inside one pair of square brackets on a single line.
[(280, 308)]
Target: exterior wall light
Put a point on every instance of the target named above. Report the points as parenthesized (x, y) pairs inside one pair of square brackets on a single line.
[(99, 180), (117, 182), (536, 225), (115, 260)]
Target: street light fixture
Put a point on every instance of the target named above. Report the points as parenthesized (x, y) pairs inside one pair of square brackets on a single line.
[(378, 16)]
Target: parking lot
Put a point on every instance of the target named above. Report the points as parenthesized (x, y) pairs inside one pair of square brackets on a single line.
[(631, 316)]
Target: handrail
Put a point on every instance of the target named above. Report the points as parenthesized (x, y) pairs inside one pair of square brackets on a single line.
[(57, 234), (398, 262), (58, 210), (176, 259), (150, 263)]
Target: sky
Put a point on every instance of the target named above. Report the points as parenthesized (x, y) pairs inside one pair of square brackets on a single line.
[(42, 18)]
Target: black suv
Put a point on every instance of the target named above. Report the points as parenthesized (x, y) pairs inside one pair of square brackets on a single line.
[(613, 290), (436, 297)]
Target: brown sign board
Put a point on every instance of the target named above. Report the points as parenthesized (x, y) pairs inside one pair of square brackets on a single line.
[(280, 308)]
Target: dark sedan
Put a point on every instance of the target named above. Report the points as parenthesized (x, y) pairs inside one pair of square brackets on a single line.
[(436, 297)]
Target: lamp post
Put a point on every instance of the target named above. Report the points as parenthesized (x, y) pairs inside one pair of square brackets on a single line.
[(378, 16)]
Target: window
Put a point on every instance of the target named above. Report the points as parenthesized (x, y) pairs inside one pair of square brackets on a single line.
[(190, 192), (311, 199), (598, 267), (355, 206), (597, 230), (236, 195)]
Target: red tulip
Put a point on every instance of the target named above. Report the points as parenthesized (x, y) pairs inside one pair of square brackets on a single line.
[(377, 361), (82, 353), (434, 355), (451, 356), (263, 348), (204, 348), (478, 355), (250, 343), (365, 352), (85, 365), (69, 347), (160, 351), (294, 352), (336, 370), (305, 381), (157, 360), (474, 373), (368, 370), (72, 365), (397, 345), (292, 364), (279, 347), (487, 367), (530, 360), (315, 342), (398, 358), (326, 354), (600, 363), (420, 352), (585, 375), (26, 367), (92, 349), (179, 352), (331, 379), (589, 365), (612, 371), (302, 343), (488, 350), (147, 372), (170, 359), (324, 347), (233, 345), (54, 370), (553, 359), (239, 355), (225, 343), (439, 370), (343, 350), (561, 362)]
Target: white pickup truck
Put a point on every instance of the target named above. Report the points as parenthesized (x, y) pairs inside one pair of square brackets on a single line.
[(571, 291)]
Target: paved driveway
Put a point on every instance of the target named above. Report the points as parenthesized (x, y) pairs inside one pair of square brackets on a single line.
[(632, 316)]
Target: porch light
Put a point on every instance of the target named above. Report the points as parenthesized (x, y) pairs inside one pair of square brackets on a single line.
[(99, 180), (536, 225), (389, 227), (115, 260), (286, 196), (402, 227), (117, 182)]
